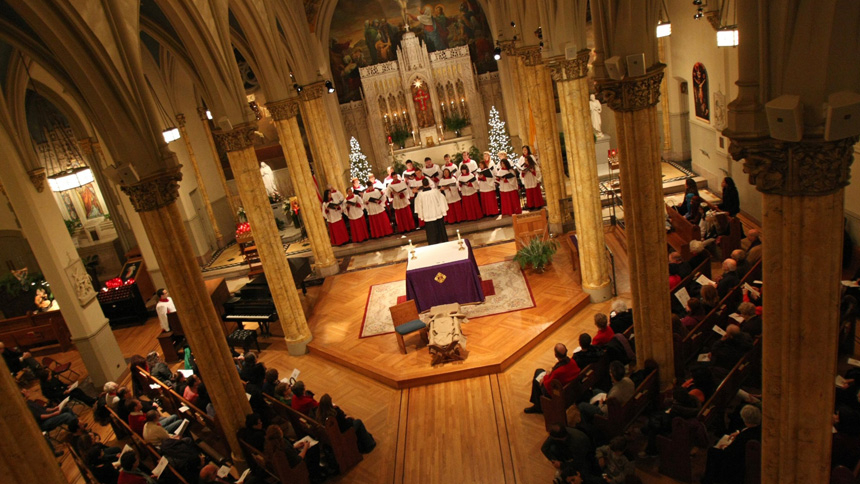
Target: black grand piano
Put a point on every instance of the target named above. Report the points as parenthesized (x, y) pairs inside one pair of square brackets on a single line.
[(253, 303)]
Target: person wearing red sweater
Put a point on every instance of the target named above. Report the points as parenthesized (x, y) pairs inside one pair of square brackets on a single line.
[(136, 416), (565, 371), (303, 401), (604, 331)]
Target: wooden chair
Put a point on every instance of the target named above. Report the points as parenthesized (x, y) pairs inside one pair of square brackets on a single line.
[(406, 321)]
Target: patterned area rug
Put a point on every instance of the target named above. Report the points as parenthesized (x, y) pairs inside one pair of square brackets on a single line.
[(512, 293)]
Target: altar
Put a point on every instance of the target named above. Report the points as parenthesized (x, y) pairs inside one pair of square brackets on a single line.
[(443, 274)]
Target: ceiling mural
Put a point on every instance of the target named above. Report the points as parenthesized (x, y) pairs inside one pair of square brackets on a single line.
[(369, 32), (312, 10)]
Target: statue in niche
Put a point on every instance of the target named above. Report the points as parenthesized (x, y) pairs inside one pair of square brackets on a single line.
[(596, 122), (269, 181)]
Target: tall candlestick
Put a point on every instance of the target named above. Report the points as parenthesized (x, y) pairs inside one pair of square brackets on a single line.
[(458, 234)]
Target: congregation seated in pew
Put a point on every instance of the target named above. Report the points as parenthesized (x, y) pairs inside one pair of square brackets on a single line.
[(565, 370)]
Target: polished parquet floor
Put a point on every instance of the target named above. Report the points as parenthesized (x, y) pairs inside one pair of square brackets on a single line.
[(494, 342), (471, 430)]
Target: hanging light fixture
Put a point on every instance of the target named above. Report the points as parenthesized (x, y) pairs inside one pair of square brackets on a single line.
[(329, 86), (727, 35), (664, 26), (497, 53), (64, 163), (171, 132)]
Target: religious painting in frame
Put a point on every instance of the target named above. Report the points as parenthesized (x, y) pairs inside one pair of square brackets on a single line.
[(129, 270), (701, 101), (368, 33), (90, 201)]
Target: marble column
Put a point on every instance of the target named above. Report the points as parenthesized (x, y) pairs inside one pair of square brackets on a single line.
[(634, 102), (239, 145), (570, 76), (802, 185), (25, 457), (284, 113), (42, 224), (538, 90), (216, 158), (321, 137), (154, 198), (201, 187)]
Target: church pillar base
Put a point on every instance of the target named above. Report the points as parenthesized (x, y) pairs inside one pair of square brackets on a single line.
[(299, 348), (598, 294), (328, 270), (101, 355)]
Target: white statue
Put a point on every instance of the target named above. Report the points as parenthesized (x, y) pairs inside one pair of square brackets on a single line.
[(268, 180), (596, 109)]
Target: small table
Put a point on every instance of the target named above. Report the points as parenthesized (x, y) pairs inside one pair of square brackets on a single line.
[(443, 274)]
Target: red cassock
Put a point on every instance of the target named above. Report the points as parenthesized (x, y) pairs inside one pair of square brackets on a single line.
[(455, 212), (511, 202), (489, 203), (534, 199), (359, 229), (379, 225), (403, 218), (337, 232), (472, 207)]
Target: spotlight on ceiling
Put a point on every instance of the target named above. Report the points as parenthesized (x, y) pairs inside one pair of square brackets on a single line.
[(329, 86), (699, 14), (513, 24), (497, 53), (297, 87), (697, 2)]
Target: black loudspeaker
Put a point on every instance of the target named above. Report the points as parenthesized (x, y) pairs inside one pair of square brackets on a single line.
[(785, 118)]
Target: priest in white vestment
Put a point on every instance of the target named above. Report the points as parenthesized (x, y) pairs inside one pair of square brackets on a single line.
[(431, 207)]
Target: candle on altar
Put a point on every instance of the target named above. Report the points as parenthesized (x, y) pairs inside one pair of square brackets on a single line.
[(458, 234), (410, 244)]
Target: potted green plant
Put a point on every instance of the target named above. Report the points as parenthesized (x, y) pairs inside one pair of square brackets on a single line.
[(537, 254), (72, 226), (399, 136), (455, 123)]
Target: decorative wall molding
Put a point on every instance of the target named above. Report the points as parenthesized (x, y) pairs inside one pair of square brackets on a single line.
[(633, 93), (237, 139), (570, 69), (155, 191), (313, 91), (38, 176), (81, 282), (531, 55), (805, 168)]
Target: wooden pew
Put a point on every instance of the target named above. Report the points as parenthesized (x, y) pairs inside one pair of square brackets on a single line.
[(619, 416), (279, 470), (147, 454), (683, 233), (675, 459), (731, 241), (561, 397), (85, 471), (32, 330), (204, 428), (344, 445), (686, 283)]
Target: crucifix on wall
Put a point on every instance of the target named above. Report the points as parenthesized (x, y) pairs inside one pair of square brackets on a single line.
[(423, 109)]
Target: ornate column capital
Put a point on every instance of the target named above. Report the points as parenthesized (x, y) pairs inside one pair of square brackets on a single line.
[(180, 119), (201, 111), (86, 145), (156, 191), (283, 109), (236, 139), (632, 93), (531, 55), (38, 177), (570, 69), (508, 47), (312, 91), (808, 167)]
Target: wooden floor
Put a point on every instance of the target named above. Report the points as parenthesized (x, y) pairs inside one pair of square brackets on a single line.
[(494, 342), (470, 430)]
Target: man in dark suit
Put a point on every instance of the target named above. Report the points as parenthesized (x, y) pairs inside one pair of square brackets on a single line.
[(729, 464), (752, 321), (727, 352), (587, 353), (621, 317), (729, 279), (682, 267)]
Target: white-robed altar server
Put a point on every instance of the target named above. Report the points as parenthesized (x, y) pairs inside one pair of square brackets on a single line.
[(432, 207)]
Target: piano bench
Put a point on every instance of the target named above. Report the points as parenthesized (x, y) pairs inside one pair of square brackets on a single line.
[(243, 338)]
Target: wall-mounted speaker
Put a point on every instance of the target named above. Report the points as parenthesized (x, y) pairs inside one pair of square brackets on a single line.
[(843, 116), (615, 68), (785, 117), (636, 65)]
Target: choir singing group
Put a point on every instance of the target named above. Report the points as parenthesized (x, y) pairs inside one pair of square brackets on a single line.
[(429, 194)]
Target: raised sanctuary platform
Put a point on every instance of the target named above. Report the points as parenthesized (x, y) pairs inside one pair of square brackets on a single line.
[(494, 342)]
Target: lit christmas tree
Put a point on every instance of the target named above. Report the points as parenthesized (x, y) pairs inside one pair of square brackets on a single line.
[(358, 165), (499, 139)]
